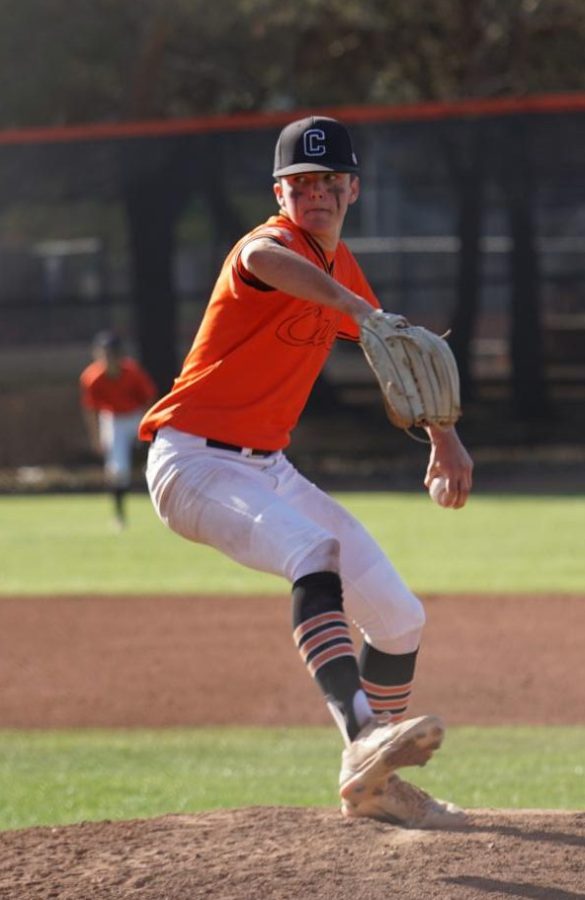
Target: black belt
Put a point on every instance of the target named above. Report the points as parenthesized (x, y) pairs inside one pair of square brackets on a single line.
[(221, 445)]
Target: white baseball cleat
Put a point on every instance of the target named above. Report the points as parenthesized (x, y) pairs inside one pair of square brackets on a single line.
[(401, 803), (381, 748)]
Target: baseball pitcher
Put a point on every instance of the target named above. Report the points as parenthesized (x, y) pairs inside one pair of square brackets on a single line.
[(218, 473)]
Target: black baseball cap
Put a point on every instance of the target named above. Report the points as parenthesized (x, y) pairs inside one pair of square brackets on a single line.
[(314, 144), (108, 340)]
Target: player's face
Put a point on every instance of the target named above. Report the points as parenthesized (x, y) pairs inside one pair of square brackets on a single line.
[(318, 201), (110, 358)]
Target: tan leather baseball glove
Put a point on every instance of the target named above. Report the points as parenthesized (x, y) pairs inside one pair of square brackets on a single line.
[(415, 368)]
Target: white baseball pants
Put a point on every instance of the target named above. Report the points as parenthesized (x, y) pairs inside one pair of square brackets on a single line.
[(118, 434), (261, 512)]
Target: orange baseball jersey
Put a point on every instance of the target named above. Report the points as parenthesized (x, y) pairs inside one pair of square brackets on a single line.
[(258, 351), (130, 391)]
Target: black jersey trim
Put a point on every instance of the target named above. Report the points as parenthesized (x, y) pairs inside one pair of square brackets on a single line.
[(318, 249), (247, 277)]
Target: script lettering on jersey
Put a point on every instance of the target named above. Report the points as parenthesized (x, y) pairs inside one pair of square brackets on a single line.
[(308, 327)]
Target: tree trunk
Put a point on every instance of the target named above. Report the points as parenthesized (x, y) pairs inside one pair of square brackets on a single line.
[(156, 188), (526, 342), (466, 161), (153, 291)]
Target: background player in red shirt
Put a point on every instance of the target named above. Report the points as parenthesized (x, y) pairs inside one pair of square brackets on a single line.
[(115, 390), (217, 473)]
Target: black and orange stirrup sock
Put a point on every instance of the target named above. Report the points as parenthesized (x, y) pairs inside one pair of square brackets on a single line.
[(387, 679), (322, 636)]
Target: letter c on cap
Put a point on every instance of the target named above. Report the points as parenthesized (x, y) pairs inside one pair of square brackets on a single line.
[(314, 142)]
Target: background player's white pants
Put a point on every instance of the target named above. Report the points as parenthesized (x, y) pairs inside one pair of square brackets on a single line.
[(118, 434), (266, 515)]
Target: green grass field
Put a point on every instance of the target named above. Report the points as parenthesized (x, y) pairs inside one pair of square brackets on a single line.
[(59, 777), (65, 544)]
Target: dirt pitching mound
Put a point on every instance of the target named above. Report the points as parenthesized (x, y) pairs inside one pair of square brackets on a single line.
[(293, 853)]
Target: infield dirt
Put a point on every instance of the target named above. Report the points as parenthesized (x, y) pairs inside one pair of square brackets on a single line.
[(143, 661)]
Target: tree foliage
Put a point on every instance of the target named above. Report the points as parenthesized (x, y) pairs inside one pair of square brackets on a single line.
[(98, 60)]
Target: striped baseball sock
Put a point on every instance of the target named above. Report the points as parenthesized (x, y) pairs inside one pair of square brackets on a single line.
[(322, 636), (387, 679)]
